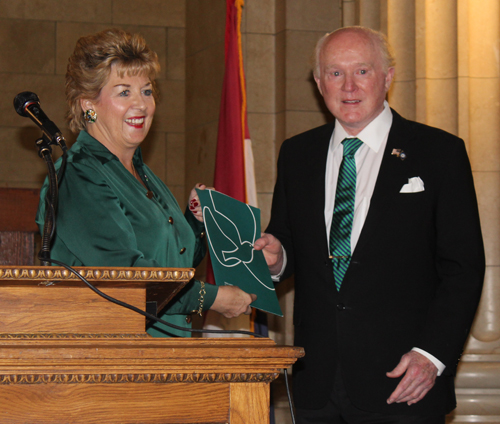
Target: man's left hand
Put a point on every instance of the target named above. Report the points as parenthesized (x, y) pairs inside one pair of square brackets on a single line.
[(420, 377)]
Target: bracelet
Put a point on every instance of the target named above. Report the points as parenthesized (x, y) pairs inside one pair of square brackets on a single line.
[(199, 311)]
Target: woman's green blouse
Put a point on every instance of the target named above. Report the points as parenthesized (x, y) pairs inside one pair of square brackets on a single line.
[(104, 218)]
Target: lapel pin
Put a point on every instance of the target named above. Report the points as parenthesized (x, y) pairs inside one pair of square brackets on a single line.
[(399, 153)]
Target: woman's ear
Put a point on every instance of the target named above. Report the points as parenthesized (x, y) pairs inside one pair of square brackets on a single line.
[(86, 104)]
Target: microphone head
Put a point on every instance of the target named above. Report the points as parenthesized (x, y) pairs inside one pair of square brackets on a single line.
[(22, 100)]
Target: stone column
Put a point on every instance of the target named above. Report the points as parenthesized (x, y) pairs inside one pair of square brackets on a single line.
[(437, 74), (478, 380), (401, 36)]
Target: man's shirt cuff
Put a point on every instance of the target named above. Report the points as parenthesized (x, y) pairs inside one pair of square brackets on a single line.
[(439, 365), (277, 277)]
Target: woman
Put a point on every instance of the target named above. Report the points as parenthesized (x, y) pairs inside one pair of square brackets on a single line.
[(113, 211)]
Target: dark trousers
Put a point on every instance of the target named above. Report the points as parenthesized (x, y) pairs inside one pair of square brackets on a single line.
[(340, 410)]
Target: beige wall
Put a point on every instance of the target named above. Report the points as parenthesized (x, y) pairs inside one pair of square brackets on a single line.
[(36, 38)]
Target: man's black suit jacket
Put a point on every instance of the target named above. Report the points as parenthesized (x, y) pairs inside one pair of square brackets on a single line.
[(414, 280)]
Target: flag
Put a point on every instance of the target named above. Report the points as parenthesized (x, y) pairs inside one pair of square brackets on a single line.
[(234, 167)]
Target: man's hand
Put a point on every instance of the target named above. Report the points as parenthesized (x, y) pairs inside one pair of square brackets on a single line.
[(273, 252), (420, 376)]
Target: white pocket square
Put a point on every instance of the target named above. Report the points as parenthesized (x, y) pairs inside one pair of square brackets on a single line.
[(414, 185)]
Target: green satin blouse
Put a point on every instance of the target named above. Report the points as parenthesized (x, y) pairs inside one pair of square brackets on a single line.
[(104, 218)]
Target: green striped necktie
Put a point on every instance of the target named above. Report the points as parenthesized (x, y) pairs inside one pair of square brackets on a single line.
[(343, 213)]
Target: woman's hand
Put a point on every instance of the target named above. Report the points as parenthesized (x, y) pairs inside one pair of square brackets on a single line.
[(194, 201), (231, 302)]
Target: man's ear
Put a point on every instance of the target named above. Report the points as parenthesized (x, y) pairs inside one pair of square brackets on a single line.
[(389, 77), (318, 83)]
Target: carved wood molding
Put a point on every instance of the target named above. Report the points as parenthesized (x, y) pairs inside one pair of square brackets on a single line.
[(96, 273), (48, 336), (163, 378)]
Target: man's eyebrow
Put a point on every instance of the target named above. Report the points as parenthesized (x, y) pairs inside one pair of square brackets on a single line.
[(335, 65)]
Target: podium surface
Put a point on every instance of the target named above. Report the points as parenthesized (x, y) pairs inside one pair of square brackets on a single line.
[(68, 356)]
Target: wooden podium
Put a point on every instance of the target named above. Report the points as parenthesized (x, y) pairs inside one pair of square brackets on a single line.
[(69, 356)]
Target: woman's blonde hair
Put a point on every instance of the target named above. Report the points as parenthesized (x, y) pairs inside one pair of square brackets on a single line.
[(90, 65)]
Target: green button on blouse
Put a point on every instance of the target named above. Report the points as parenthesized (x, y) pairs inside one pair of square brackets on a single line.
[(105, 218)]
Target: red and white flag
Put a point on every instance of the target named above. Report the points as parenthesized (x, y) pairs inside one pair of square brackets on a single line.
[(234, 167)]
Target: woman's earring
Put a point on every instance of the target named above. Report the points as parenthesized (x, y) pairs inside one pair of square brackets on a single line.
[(90, 116)]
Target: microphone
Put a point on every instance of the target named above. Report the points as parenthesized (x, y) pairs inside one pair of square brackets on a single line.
[(27, 104)]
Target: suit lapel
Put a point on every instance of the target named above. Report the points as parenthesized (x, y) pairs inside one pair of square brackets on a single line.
[(392, 175), (317, 171)]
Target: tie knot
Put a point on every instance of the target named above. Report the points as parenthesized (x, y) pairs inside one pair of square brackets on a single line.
[(351, 146)]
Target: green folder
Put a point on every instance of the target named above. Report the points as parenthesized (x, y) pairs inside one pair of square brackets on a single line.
[(232, 228)]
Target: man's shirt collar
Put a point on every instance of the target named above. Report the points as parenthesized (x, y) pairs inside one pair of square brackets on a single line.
[(373, 135)]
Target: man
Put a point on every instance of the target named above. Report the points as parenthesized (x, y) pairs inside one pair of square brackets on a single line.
[(382, 341)]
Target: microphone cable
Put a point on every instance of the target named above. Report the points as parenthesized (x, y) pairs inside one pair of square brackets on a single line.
[(51, 197), (289, 395)]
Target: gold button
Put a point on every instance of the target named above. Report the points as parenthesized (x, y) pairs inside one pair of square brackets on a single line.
[(202, 234), (171, 220), (183, 250)]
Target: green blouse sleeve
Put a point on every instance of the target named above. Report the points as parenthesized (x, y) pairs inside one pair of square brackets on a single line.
[(186, 300), (199, 232)]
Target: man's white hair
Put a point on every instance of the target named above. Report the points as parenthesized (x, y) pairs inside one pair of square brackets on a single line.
[(378, 39)]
